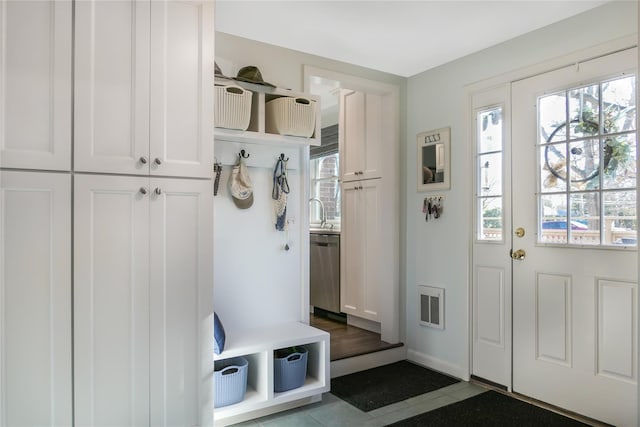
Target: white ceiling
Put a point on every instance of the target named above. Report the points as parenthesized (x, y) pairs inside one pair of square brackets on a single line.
[(394, 36)]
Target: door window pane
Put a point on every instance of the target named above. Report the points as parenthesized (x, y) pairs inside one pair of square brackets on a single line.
[(584, 164), (489, 176), (587, 149), (620, 161), (620, 221), (491, 218), (553, 167), (619, 100), (584, 111), (552, 112), (585, 219)]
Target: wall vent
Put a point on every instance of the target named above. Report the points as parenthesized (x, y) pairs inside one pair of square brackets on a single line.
[(431, 306)]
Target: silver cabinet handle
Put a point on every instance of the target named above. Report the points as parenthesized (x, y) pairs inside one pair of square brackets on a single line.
[(143, 190), (157, 161), (158, 191), (143, 160)]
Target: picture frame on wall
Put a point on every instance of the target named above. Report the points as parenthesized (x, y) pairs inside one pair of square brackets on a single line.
[(434, 160)]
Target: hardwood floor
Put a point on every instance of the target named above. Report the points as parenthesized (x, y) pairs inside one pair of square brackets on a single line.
[(349, 341)]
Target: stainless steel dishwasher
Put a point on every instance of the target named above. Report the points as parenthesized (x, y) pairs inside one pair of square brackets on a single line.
[(324, 271)]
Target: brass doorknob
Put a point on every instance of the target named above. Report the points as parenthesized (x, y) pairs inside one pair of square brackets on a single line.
[(519, 254)]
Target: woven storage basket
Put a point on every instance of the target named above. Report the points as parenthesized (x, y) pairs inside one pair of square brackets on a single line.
[(289, 368), (291, 116), (230, 381), (233, 107)]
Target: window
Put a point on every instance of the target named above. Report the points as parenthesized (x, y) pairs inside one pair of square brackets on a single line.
[(489, 191), (325, 186), (587, 165)]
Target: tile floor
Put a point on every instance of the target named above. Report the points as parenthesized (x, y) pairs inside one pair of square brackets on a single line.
[(335, 412)]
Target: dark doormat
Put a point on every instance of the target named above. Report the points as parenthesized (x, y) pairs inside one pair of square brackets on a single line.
[(384, 385), (490, 409)]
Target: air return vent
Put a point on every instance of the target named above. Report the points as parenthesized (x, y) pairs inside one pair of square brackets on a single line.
[(431, 306)]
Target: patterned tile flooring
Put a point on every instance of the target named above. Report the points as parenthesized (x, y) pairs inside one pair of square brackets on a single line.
[(334, 412)]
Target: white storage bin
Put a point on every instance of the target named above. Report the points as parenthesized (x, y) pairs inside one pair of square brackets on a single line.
[(291, 116), (233, 107)]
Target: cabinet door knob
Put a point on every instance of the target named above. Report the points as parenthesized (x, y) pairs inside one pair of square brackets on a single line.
[(360, 188), (143, 190), (158, 191), (157, 161), (143, 160)]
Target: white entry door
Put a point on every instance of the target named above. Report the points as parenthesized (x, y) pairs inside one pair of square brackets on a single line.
[(574, 269)]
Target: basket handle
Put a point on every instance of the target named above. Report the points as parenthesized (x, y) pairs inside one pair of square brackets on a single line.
[(229, 370), (234, 89), (294, 356), (304, 101)]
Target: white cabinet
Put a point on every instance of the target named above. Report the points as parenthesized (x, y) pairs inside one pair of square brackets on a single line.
[(360, 271), (181, 301), (144, 87), (35, 299), (35, 94), (361, 135), (142, 300)]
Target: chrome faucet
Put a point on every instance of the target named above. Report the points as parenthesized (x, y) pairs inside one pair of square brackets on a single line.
[(323, 217)]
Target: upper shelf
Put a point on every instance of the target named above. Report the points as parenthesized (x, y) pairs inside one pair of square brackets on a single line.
[(257, 133)]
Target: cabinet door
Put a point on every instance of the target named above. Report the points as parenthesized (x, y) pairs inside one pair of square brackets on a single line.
[(360, 136), (35, 299), (112, 86), (35, 94), (360, 261), (182, 85), (111, 300), (181, 220)]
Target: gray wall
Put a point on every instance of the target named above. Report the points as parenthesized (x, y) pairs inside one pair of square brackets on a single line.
[(438, 251)]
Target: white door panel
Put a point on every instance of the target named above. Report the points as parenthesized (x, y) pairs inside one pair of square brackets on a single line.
[(35, 299), (35, 84), (182, 85), (574, 307), (111, 300), (112, 86), (181, 295)]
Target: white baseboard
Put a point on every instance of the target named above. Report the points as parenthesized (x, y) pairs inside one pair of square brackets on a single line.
[(438, 364), (367, 361)]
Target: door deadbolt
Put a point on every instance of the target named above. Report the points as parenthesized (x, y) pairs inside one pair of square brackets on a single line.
[(519, 232), (518, 255)]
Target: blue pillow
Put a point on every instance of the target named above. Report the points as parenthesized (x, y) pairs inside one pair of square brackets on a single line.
[(218, 335)]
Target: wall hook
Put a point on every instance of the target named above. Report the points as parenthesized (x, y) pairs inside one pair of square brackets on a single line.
[(282, 158), (243, 154)]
